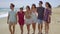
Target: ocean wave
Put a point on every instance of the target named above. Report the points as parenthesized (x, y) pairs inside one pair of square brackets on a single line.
[(3, 15)]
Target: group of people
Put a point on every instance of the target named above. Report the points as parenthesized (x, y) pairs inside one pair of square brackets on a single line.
[(29, 17)]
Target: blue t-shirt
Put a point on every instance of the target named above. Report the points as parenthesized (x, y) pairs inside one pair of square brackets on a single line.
[(40, 11)]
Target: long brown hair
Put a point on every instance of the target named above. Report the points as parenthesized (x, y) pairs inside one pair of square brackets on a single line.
[(28, 7), (49, 5), (28, 13)]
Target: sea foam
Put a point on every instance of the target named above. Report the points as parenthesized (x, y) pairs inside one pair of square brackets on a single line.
[(3, 15)]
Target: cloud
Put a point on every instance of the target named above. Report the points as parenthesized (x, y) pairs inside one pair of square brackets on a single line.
[(19, 3), (4, 5)]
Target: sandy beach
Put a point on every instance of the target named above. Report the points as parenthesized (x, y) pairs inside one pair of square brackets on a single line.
[(54, 25)]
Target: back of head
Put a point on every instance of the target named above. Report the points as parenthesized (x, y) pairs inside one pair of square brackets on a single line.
[(12, 5), (41, 2), (21, 8)]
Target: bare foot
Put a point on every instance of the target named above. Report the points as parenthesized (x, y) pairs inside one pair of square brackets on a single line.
[(28, 33), (21, 32), (11, 33), (33, 33)]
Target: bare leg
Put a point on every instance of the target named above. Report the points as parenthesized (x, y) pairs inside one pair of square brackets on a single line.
[(40, 28), (34, 27), (13, 29), (46, 28), (21, 26), (28, 28), (10, 29)]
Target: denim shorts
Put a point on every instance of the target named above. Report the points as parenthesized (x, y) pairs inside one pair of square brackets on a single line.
[(40, 21)]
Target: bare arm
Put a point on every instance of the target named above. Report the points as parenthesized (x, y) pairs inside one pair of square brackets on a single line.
[(50, 13), (36, 12), (8, 18), (44, 11), (17, 17)]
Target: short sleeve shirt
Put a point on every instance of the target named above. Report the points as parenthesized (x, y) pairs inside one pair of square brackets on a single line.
[(12, 16), (40, 11)]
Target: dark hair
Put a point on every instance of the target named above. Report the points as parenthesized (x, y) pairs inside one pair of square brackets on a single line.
[(21, 8), (12, 5), (41, 2), (48, 4), (28, 7), (34, 5)]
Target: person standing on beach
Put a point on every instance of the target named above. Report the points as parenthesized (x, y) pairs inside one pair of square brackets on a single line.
[(20, 17), (34, 17), (40, 11), (28, 19), (47, 16), (12, 19)]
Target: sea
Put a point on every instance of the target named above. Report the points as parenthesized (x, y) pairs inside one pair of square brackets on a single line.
[(4, 12)]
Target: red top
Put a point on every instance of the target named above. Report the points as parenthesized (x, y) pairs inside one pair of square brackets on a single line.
[(21, 17)]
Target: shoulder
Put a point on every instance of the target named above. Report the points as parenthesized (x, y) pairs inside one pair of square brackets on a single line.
[(9, 12), (23, 11), (37, 7), (43, 7), (50, 9), (18, 11), (30, 11), (14, 12)]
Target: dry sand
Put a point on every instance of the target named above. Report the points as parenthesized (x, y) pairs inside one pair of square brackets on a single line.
[(54, 26)]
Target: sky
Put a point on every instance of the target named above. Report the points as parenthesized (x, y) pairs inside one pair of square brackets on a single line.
[(21, 3)]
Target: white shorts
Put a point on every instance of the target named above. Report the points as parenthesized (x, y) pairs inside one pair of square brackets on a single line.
[(12, 22), (28, 21), (34, 20)]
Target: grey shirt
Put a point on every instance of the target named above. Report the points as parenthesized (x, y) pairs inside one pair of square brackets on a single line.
[(40, 11)]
